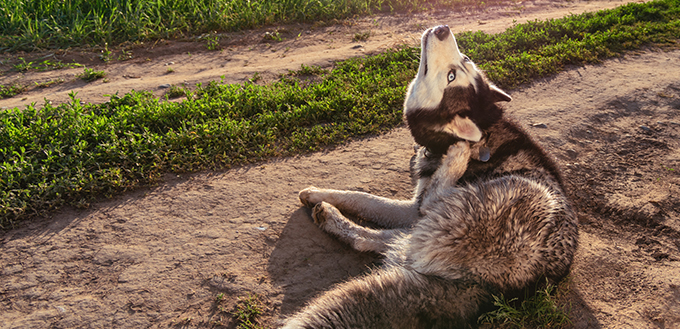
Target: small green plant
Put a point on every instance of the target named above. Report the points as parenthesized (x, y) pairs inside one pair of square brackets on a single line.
[(256, 77), (363, 36), (50, 83), (11, 90), (90, 75), (538, 311), (125, 55), (169, 70), (272, 36), (212, 42), (176, 91), (23, 66), (246, 311), (308, 70), (105, 53)]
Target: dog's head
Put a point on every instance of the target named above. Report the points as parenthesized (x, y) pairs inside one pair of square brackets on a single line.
[(450, 99)]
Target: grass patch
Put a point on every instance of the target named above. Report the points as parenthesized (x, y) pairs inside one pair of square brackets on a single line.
[(246, 312), (30, 25), (538, 311), (362, 36), (11, 90), (49, 83), (177, 91), (69, 153), (46, 65), (90, 75)]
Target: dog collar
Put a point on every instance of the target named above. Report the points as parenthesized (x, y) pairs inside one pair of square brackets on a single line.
[(484, 153)]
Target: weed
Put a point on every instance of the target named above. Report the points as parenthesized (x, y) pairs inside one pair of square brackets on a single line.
[(176, 91), (23, 66), (272, 36), (105, 53), (169, 70), (212, 42), (308, 70), (363, 36), (538, 311), (11, 90), (246, 311), (50, 83), (125, 55), (90, 75), (256, 77), (46, 65)]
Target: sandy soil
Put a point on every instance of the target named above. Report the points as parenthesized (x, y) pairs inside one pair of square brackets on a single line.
[(158, 257)]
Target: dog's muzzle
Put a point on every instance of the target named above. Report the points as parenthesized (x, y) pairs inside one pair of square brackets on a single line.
[(441, 32)]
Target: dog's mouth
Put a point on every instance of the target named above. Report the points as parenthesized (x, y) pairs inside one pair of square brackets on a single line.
[(424, 52)]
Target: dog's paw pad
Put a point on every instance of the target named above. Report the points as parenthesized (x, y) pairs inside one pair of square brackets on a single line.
[(319, 213)]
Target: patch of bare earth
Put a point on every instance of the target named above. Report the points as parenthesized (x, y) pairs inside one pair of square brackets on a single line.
[(159, 257)]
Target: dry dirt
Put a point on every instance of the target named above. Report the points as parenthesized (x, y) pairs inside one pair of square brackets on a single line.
[(158, 257)]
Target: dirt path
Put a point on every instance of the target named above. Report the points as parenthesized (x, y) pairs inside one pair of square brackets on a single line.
[(246, 53), (158, 257)]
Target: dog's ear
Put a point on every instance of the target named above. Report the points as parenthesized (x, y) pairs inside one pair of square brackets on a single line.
[(464, 128), (497, 95)]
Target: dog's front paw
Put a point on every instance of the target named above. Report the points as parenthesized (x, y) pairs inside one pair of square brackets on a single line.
[(310, 196), (459, 150)]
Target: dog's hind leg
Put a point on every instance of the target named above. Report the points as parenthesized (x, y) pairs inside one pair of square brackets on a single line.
[(385, 212), (360, 238)]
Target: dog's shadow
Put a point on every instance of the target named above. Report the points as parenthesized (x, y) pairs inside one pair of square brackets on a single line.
[(307, 261)]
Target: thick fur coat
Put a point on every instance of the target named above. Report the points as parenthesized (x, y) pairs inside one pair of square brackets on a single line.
[(488, 216)]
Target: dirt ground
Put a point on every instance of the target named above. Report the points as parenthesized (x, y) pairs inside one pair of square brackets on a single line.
[(159, 257)]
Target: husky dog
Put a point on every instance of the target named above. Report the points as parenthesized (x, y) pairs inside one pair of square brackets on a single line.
[(488, 216)]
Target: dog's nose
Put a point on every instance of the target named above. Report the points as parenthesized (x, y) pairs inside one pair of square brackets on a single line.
[(442, 31)]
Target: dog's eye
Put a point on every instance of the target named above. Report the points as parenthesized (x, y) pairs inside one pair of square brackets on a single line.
[(452, 75), (466, 59)]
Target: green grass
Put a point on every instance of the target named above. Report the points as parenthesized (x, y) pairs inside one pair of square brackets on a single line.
[(11, 90), (246, 312), (538, 311), (49, 83), (29, 25), (90, 75), (71, 153), (46, 65)]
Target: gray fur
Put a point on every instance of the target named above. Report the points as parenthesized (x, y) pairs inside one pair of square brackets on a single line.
[(473, 228)]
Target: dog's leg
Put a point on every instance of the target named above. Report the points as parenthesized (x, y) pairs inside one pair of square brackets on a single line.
[(382, 211), (453, 166), (360, 238)]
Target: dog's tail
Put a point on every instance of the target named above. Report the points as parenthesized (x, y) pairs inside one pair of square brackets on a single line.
[(394, 297)]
